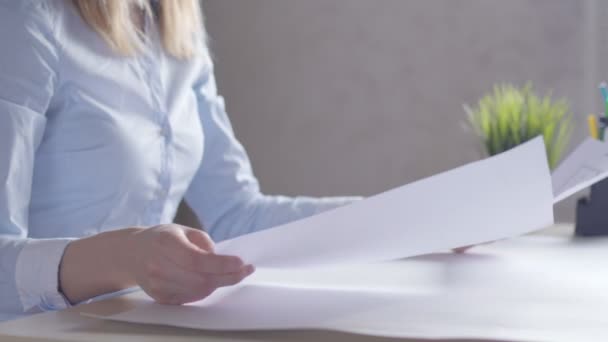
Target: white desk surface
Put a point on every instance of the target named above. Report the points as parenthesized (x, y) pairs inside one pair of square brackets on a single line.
[(70, 325)]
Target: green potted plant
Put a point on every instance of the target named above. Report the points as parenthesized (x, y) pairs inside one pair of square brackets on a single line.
[(510, 116)]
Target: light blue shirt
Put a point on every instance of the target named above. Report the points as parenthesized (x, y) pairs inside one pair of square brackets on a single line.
[(91, 142)]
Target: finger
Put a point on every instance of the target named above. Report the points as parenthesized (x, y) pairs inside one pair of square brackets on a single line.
[(217, 264), (462, 250), (188, 257), (195, 237), (200, 239), (178, 248), (220, 280), (195, 286), (177, 286)]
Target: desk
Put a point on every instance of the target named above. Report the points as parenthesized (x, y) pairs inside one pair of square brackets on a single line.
[(69, 325)]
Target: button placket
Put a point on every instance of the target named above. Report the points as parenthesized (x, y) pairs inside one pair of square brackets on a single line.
[(150, 58)]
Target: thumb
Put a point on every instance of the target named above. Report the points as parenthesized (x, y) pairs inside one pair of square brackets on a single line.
[(200, 239)]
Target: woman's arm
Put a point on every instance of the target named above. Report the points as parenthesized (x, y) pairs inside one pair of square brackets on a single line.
[(28, 64), (225, 194), (172, 263), (96, 265)]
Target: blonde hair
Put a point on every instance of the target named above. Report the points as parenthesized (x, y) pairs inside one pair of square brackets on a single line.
[(180, 24)]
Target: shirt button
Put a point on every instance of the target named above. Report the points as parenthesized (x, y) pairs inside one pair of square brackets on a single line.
[(165, 131)]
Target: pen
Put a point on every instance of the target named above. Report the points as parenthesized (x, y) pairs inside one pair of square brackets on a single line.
[(604, 90), (593, 128)]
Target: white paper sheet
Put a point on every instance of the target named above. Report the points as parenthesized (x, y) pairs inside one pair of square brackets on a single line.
[(585, 166), (526, 289), (503, 196)]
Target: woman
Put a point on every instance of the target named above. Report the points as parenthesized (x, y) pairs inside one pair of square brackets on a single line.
[(109, 116)]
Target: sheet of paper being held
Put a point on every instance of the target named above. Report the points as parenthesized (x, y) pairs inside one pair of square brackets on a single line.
[(503, 196)]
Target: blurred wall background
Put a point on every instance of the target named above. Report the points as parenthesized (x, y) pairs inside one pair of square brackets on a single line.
[(353, 97)]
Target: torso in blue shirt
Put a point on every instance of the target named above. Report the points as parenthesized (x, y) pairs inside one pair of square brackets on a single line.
[(91, 141)]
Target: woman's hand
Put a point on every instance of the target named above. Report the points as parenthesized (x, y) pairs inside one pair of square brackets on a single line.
[(174, 264), (462, 250), (171, 263)]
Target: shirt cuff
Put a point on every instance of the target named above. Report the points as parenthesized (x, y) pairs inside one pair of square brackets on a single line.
[(37, 274)]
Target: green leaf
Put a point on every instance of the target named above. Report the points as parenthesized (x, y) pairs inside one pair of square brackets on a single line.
[(509, 116)]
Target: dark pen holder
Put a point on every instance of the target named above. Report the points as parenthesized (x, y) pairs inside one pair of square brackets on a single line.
[(592, 211)]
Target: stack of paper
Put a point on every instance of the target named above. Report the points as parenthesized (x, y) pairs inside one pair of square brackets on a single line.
[(500, 197), (514, 290)]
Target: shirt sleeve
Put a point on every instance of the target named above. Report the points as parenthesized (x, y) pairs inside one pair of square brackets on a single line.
[(28, 63), (225, 194)]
